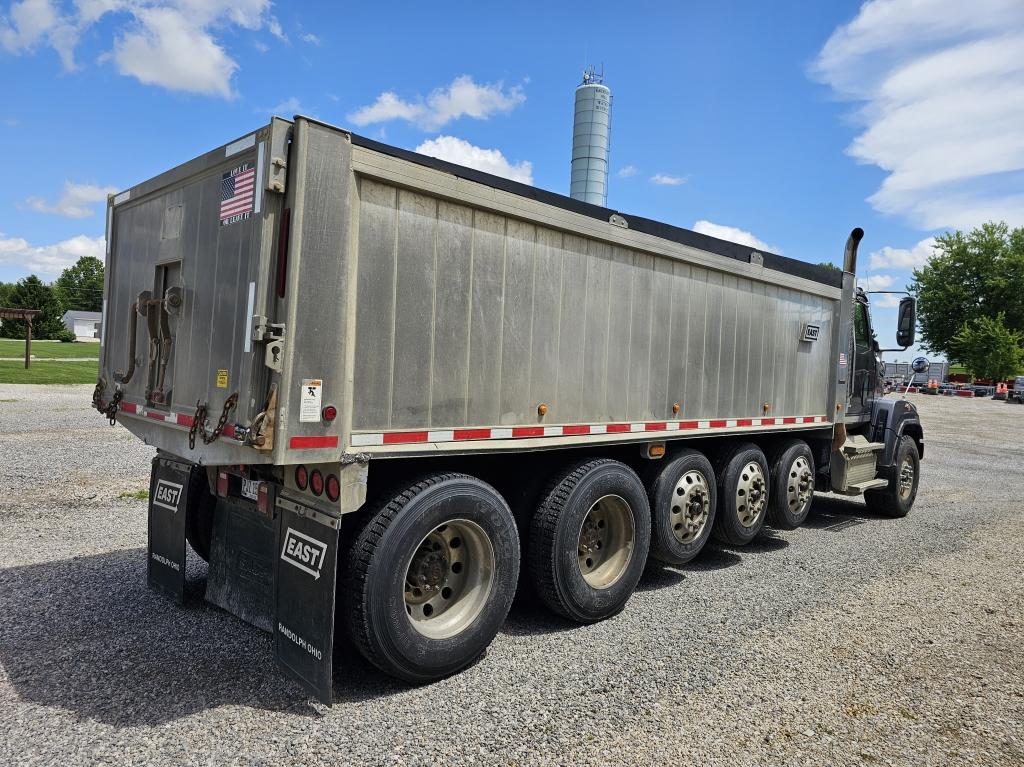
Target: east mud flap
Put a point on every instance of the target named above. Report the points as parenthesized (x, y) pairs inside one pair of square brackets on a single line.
[(168, 499), (304, 585)]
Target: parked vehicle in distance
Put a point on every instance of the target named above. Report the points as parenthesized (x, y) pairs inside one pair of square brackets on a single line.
[(1017, 392), (384, 388)]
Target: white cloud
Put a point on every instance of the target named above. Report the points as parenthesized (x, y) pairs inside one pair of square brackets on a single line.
[(663, 179), (77, 200), (876, 281), (627, 171), (290, 106), (169, 43), (274, 27), (941, 87), (462, 152), (49, 259), (463, 97), (903, 258), (311, 39), (732, 234)]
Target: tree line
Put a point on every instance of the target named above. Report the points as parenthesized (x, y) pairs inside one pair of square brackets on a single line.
[(970, 300), (79, 288)]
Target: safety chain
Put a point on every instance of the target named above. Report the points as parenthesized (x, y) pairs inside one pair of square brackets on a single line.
[(108, 409), (199, 422)]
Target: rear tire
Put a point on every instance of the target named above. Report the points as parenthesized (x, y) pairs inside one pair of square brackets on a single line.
[(791, 466), (683, 497), (743, 486), (589, 539), (430, 577), (897, 499), (199, 515)]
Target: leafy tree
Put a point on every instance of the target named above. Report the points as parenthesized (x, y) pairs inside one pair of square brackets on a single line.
[(32, 293), (5, 293), (80, 287), (989, 349), (973, 275)]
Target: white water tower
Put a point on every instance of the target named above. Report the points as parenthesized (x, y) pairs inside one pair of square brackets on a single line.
[(591, 127)]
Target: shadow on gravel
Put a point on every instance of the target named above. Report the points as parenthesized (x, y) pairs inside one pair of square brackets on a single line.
[(835, 514), (87, 635), (529, 617)]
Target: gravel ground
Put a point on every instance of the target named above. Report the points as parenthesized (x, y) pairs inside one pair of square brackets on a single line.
[(854, 640)]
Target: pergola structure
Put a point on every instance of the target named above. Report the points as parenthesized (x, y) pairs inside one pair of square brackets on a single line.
[(26, 316)]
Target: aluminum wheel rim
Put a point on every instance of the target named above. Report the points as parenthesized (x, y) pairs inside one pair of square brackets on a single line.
[(448, 579), (906, 478), (800, 487), (751, 494), (606, 541), (691, 504)]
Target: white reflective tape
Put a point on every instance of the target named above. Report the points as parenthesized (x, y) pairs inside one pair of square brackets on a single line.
[(237, 146), (672, 426), (552, 431), (359, 440), (247, 327), (730, 422), (443, 435), (636, 427), (599, 428), (501, 434), (259, 179), (755, 421), (103, 324), (703, 424)]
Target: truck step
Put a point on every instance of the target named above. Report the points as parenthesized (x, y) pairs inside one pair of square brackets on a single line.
[(859, 445), (871, 484)]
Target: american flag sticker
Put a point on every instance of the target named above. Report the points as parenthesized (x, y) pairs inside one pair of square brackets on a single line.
[(842, 360), (237, 193)]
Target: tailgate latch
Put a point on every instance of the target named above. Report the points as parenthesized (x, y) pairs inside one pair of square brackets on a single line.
[(272, 334)]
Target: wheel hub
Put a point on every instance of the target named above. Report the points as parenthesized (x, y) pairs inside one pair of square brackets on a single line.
[(605, 544), (751, 494), (906, 478), (800, 488), (690, 507), (429, 568)]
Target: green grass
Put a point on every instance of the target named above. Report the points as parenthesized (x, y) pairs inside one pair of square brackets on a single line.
[(137, 495), (49, 372), (54, 350)]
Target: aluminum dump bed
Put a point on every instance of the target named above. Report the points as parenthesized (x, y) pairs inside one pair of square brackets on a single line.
[(437, 308)]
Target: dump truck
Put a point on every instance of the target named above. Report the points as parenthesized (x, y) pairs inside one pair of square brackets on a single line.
[(388, 392)]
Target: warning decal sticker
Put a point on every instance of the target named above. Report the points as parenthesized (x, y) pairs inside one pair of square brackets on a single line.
[(309, 403)]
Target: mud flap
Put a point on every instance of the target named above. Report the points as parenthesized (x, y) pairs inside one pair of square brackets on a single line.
[(168, 491), (242, 562), (304, 585)]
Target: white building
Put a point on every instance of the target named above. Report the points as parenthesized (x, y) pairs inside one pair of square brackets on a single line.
[(85, 325)]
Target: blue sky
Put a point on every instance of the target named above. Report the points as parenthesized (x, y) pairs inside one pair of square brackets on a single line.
[(783, 124)]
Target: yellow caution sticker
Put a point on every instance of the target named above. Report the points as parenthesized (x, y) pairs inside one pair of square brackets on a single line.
[(222, 379)]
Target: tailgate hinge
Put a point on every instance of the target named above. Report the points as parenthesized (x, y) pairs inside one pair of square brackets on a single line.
[(272, 334)]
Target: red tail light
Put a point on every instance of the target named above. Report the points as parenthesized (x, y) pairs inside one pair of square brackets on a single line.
[(263, 499), (222, 484), (301, 477), (316, 482), (333, 487)]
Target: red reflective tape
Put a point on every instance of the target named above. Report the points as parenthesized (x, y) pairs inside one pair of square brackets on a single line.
[(617, 428), (400, 437), (719, 424), (472, 434), (688, 425), (156, 415), (786, 420), (304, 443), (528, 431), (744, 422), (658, 426), (184, 420), (229, 431), (572, 430), (129, 407)]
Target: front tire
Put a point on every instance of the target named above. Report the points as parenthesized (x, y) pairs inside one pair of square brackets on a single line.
[(683, 495), (431, 576), (589, 539), (898, 498), (743, 492)]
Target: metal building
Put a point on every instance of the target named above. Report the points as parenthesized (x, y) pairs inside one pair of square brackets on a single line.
[(590, 139)]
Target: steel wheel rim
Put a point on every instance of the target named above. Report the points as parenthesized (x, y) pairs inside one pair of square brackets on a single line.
[(906, 478), (800, 486), (691, 505), (606, 541), (751, 494), (448, 579)]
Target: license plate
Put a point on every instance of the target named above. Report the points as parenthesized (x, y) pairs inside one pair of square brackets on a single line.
[(251, 489)]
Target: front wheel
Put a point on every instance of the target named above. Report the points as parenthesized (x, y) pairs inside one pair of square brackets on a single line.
[(431, 576), (898, 497)]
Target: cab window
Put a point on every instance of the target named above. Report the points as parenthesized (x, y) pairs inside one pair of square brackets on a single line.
[(860, 327)]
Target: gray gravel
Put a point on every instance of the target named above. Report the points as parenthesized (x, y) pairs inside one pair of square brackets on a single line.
[(855, 640)]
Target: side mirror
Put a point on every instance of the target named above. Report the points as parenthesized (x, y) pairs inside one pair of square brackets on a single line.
[(906, 325)]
